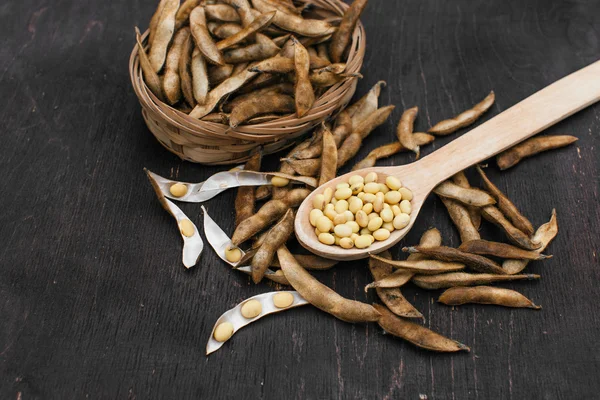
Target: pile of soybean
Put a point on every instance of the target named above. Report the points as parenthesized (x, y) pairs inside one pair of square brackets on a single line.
[(245, 61), (463, 271)]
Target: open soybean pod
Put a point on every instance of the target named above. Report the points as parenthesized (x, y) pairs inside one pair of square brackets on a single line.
[(465, 118), (248, 311), (506, 206), (486, 295), (220, 242), (416, 334), (543, 235), (320, 295), (530, 147), (192, 242), (391, 297)]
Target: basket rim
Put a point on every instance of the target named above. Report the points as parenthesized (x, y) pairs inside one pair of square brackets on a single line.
[(252, 135)]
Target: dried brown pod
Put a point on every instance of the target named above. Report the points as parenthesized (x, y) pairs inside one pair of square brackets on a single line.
[(343, 35), (265, 104), (187, 88), (183, 14), (328, 158), (304, 93), (151, 78), (391, 297), (244, 10), (343, 128), (165, 28), (430, 238), (217, 118), (285, 88), (366, 105), (223, 31), (221, 12), (404, 132), (304, 167), (320, 295), (452, 279), (263, 48), (263, 192), (200, 84), (531, 147), (376, 119), (502, 250), (316, 145), (276, 237), (325, 77), (202, 37), (323, 52), (486, 295), (310, 261), (495, 216), (218, 73), (389, 150), (154, 21), (465, 118), (265, 216), (462, 219), (245, 199), (510, 211), (470, 197), (543, 235), (425, 267), (444, 253), (461, 180), (259, 23), (416, 334), (295, 23)]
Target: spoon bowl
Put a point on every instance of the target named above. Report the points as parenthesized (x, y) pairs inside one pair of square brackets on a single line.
[(525, 119)]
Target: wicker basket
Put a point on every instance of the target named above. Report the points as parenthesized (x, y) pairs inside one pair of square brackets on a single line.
[(213, 143)]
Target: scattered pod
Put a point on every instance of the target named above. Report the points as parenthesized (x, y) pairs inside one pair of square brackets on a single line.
[(506, 206), (470, 197), (183, 14), (260, 105), (389, 150), (310, 261), (230, 85), (416, 334), (218, 73), (391, 297), (192, 242), (366, 105), (374, 120), (202, 37), (187, 87), (465, 118), (263, 48), (461, 180), (266, 215), (486, 295), (315, 148), (171, 77), (276, 237), (449, 254), (405, 130), (245, 199), (221, 12), (223, 31), (320, 295), (461, 218), (295, 23), (270, 303), (151, 78), (200, 85), (303, 91), (285, 88), (452, 279), (531, 147), (165, 28), (220, 242), (343, 35), (495, 216), (502, 250), (329, 157), (543, 235), (426, 267), (259, 23)]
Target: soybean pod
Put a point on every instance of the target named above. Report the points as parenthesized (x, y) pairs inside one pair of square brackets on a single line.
[(530, 147), (486, 295), (245, 199), (465, 118), (275, 237), (342, 36), (328, 158), (449, 254), (502, 250), (405, 130), (495, 216), (202, 37), (452, 279)]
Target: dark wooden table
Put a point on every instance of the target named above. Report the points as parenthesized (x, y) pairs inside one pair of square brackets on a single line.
[(94, 301)]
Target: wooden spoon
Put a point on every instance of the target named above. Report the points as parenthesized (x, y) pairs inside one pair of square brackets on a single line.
[(532, 115)]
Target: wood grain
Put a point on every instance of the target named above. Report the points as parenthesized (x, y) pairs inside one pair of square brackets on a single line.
[(93, 297)]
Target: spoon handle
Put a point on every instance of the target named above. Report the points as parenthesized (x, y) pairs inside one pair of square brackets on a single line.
[(532, 115)]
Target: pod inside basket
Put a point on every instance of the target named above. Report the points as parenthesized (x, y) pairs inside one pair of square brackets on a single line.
[(213, 143)]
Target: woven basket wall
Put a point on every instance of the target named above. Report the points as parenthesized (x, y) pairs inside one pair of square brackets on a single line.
[(213, 143)]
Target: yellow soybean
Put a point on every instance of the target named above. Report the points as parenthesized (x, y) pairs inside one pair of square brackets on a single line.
[(393, 183), (233, 254), (251, 309), (187, 228), (279, 181), (326, 238), (381, 234), (371, 177), (406, 194), (283, 300), (178, 189), (223, 331)]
